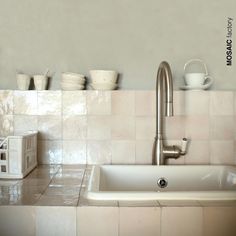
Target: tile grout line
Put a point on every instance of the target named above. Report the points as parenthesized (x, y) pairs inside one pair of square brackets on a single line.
[(209, 139), (62, 132), (81, 184), (46, 188), (118, 219)]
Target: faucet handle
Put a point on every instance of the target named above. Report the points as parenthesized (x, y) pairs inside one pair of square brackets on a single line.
[(184, 146)]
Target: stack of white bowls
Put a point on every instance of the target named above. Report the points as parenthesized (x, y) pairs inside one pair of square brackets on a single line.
[(103, 79), (72, 81)]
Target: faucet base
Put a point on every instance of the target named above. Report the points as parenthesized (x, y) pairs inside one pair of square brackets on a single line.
[(160, 152)]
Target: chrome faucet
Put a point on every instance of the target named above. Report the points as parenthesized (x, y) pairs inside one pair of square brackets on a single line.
[(161, 152)]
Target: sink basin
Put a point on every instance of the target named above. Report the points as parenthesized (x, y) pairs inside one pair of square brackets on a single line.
[(140, 182)]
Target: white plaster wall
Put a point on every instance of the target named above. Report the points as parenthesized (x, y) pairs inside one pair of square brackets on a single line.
[(132, 37)]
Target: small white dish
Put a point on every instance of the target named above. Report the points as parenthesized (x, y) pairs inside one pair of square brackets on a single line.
[(103, 76), (71, 87), (103, 86), (73, 77), (74, 82), (200, 87)]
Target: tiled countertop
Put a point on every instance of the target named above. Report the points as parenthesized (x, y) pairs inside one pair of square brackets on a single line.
[(47, 185), (64, 185)]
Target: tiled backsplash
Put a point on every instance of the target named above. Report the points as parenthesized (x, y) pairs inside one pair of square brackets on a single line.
[(78, 127)]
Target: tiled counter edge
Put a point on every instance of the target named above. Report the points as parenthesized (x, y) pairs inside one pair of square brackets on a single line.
[(118, 218)]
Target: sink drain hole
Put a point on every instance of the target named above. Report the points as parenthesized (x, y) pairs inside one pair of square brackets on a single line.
[(162, 182)]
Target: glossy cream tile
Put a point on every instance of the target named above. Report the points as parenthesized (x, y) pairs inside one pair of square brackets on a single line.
[(66, 181), (197, 127), (139, 221), (27, 200), (74, 103), (74, 152), (17, 220), (143, 151), (26, 188), (104, 221), (222, 152), (98, 152), (34, 182), (221, 103), (49, 103), (219, 221), (74, 127), (122, 127), (123, 152), (58, 189), (198, 152), (50, 127), (24, 123), (123, 103), (99, 127), (62, 200), (49, 152), (222, 127), (175, 127), (145, 103), (99, 102), (58, 221), (182, 221), (6, 102), (145, 127), (179, 103), (196, 103), (6, 125), (25, 102), (45, 170)]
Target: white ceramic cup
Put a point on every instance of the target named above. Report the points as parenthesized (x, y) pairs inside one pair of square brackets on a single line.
[(40, 82), (197, 79), (23, 81)]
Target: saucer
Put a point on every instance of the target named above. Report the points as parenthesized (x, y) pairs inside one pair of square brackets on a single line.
[(200, 87)]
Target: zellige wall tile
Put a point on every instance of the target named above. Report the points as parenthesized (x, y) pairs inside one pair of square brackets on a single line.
[(145, 103), (123, 103), (123, 152), (74, 103), (49, 103), (25, 102), (99, 102), (6, 102), (74, 127), (221, 103)]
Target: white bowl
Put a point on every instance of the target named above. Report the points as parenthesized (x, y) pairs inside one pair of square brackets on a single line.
[(73, 81), (103, 76), (67, 76), (72, 87), (103, 86)]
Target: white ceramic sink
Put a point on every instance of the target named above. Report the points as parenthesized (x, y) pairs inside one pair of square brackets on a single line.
[(135, 182)]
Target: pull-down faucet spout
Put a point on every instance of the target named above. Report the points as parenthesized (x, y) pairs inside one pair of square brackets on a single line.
[(164, 86), (164, 78)]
